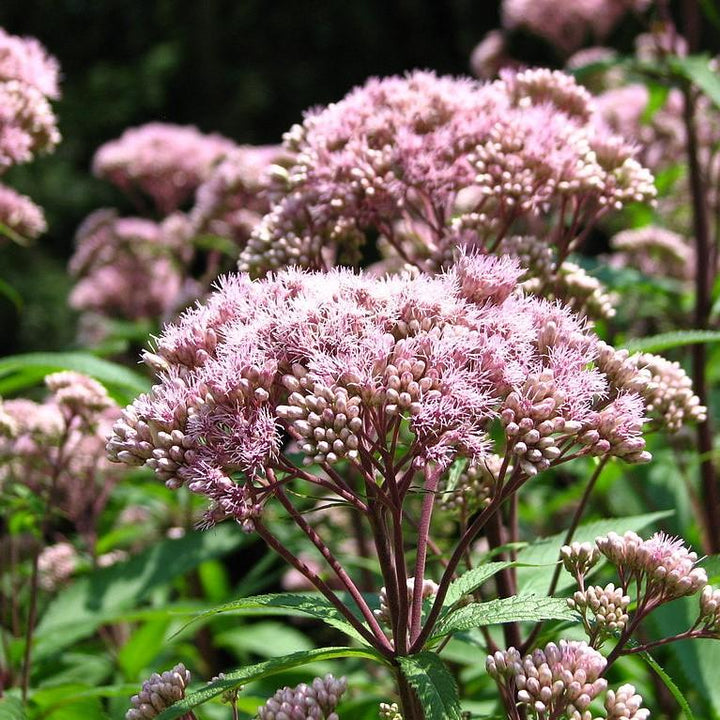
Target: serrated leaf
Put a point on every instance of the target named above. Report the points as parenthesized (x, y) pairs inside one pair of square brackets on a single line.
[(665, 341), (517, 608), (538, 560), (433, 684), (314, 605), (18, 372), (231, 680), (471, 580)]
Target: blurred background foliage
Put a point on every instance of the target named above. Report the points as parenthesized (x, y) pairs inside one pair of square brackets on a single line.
[(244, 69)]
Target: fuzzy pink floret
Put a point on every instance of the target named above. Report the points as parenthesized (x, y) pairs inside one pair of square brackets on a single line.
[(324, 357)]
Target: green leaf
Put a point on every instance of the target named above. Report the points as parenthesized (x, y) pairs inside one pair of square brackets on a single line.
[(669, 684), (18, 372), (546, 552), (518, 608), (433, 684), (454, 474), (99, 598), (231, 680), (11, 708), (665, 341), (696, 68), (471, 580), (264, 639), (304, 603), (142, 648), (697, 660)]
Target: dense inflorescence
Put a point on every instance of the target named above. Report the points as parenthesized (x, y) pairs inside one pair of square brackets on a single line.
[(55, 448), (654, 251), (316, 701), (159, 692), (664, 567), (335, 359), (28, 126), (20, 214), (558, 681), (432, 163), (130, 268), (567, 27), (166, 162), (232, 201)]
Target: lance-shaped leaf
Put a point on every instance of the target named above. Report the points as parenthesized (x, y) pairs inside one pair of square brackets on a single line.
[(433, 684), (472, 580), (231, 680), (517, 608), (311, 604)]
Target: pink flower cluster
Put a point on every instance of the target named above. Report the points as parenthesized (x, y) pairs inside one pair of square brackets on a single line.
[(316, 701), (61, 438), (28, 81), (567, 26), (26, 60), (558, 681), (335, 361), (129, 267), (435, 162), (235, 197), (158, 693), (663, 564), (166, 162), (19, 214)]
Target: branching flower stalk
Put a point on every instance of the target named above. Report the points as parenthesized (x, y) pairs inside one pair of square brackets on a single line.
[(704, 279), (379, 386)]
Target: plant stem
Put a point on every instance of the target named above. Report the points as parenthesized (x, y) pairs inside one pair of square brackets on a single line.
[(567, 540), (410, 706), (431, 485), (467, 537), (339, 570), (382, 647), (495, 535), (703, 305)]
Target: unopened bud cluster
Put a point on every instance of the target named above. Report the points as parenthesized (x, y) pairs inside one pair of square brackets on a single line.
[(579, 558), (608, 606), (474, 486), (389, 711), (324, 420), (428, 589), (665, 565), (669, 396), (159, 692), (625, 704), (710, 609), (532, 417), (79, 393), (559, 680), (316, 701)]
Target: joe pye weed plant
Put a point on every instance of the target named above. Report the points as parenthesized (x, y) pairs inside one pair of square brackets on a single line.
[(424, 401), (412, 352)]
